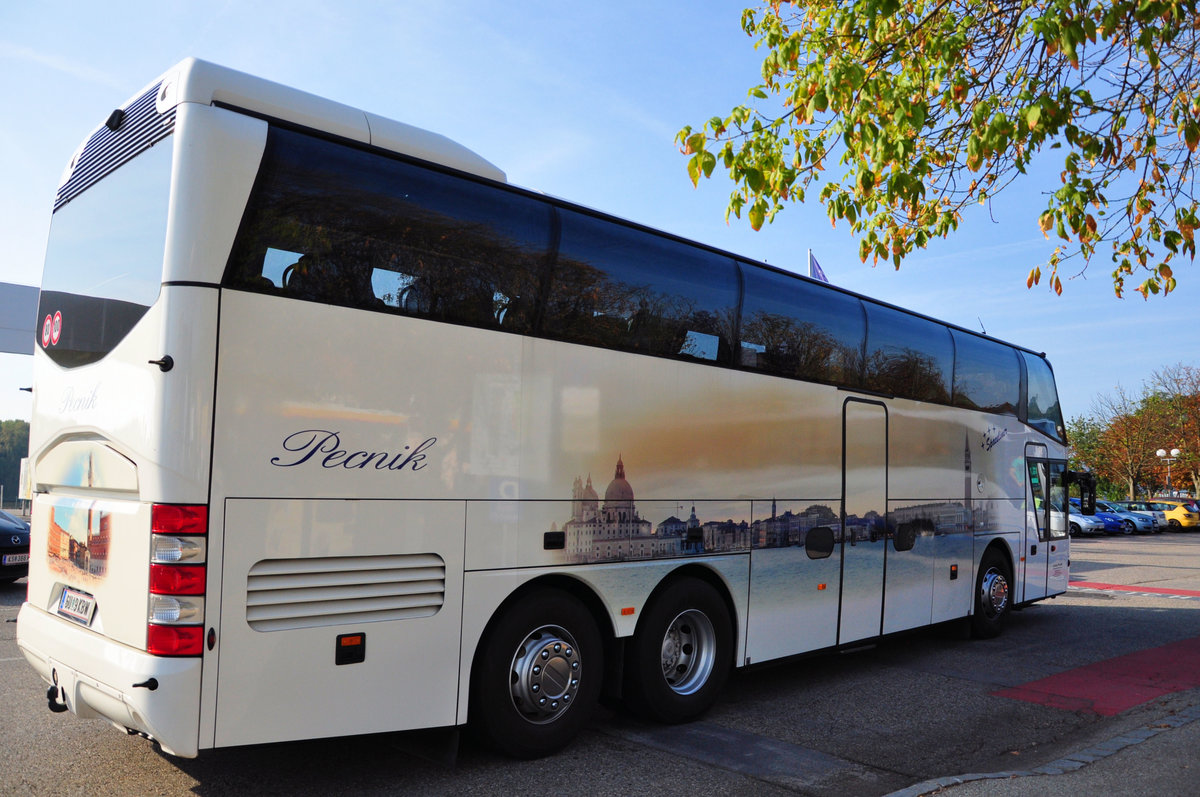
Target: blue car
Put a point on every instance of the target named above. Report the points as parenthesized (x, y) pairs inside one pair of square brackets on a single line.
[(1113, 523), (1135, 522)]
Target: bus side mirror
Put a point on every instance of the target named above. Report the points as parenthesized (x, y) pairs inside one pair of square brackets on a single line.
[(1087, 490)]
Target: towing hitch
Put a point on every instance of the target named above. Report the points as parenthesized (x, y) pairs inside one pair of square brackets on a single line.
[(52, 699)]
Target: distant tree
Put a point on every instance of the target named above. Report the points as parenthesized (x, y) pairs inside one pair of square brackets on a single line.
[(1178, 387), (930, 106), (1086, 452), (1127, 443), (14, 446)]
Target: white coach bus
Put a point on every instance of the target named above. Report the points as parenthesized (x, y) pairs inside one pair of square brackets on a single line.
[(334, 432)]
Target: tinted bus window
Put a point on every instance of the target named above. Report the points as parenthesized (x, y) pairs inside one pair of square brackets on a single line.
[(798, 329), (104, 259), (1043, 410), (987, 375), (907, 356), (625, 288), (341, 225)]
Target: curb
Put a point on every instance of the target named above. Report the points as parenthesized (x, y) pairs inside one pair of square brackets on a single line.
[(1068, 763)]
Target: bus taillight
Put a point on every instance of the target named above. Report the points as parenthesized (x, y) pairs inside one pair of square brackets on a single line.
[(178, 573)]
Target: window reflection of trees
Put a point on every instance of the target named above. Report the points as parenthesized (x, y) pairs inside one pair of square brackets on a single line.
[(460, 271), (908, 373), (342, 226), (445, 268), (588, 305), (801, 349)]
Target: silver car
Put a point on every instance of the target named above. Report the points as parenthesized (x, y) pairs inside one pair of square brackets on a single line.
[(1139, 522)]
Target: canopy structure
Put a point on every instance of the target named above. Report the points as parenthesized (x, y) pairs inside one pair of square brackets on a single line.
[(18, 317)]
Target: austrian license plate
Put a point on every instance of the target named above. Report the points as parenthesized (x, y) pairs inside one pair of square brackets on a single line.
[(76, 605), (16, 559)]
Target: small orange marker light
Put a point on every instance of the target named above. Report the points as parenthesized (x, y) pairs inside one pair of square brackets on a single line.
[(350, 649), (627, 611), (820, 587)]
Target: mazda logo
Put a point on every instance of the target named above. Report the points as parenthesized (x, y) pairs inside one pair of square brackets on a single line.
[(16, 540)]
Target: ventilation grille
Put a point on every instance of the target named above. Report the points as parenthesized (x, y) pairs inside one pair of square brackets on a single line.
[(307, 593), (142, 127)]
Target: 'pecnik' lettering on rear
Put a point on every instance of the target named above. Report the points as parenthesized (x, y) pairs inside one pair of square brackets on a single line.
[(324, 448)]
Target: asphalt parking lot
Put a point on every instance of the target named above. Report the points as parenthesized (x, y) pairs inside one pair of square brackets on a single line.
[(1085, 693)]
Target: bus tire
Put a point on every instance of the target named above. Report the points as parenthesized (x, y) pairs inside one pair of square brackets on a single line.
[(681, 653), (537, 675), (993, 595)]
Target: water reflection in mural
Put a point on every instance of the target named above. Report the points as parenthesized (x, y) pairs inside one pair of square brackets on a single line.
[(613, 528)]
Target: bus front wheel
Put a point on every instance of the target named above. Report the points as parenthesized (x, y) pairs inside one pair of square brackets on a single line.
[(537, 677), (681, 653), (993, 595)]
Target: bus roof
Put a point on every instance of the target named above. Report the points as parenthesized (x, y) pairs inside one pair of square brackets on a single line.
[(205, 83)]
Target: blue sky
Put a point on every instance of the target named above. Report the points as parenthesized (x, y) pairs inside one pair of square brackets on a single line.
[(577, 100)]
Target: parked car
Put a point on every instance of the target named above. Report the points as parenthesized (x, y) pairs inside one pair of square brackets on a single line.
[(14, 548), (1083, 524), (1144, 508), (1180, 514), (1139, 522), (1113, 523)]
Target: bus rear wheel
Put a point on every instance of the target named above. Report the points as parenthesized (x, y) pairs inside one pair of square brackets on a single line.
[(537, 675), (681, 653), (993, 596)]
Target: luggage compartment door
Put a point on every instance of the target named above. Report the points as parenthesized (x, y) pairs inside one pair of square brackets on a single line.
[(338, 618)]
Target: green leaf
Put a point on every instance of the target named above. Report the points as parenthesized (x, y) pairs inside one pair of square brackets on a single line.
[(1032, 115), (754, 179), (758, 214)]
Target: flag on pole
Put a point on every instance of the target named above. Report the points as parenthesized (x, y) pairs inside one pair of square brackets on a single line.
[(814, 268)]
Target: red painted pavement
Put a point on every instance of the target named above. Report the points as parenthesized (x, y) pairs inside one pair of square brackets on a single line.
[(1109, 687), (1123, 588)]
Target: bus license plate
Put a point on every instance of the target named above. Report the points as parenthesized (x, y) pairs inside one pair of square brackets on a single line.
[(77, 606), (17, 559)]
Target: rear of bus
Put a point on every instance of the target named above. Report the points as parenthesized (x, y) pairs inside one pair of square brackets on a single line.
[(123, 613), (120, 439)]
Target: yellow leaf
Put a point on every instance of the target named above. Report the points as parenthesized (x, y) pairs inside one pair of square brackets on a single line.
[(1045, 222)]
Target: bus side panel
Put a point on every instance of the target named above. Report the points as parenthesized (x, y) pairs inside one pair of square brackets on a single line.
[(316, 401), (338, 618)]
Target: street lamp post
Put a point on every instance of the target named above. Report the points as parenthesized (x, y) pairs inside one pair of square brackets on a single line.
[(1168, 458)]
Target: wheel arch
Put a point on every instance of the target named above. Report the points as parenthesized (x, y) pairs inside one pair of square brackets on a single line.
[(1004, 547), (575, 587), (699, 572)]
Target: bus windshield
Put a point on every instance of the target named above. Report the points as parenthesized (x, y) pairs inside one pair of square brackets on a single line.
[(104, 260)]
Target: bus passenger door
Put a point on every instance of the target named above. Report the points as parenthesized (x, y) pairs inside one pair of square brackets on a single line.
[(1045, 548), (864, 519)]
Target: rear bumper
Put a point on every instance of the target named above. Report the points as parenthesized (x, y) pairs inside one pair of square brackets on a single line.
[(14, 571), (97, 678)]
